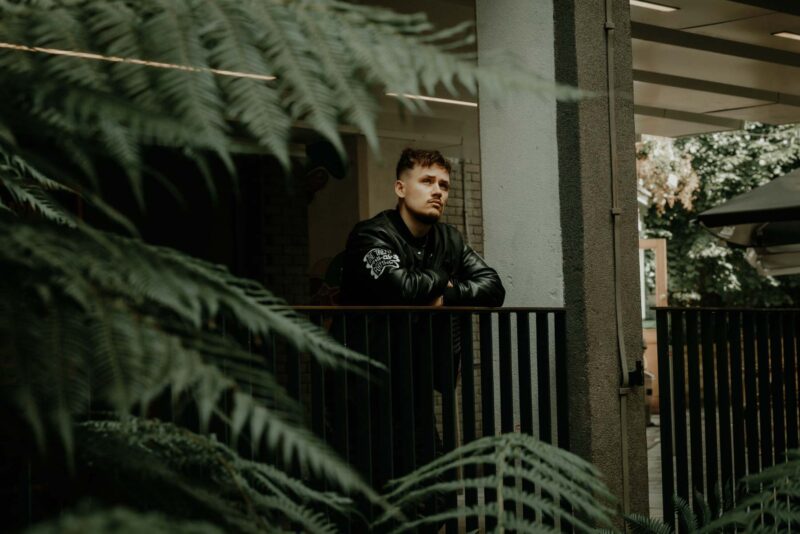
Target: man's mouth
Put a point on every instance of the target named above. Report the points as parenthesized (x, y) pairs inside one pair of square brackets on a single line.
[(436, 203)]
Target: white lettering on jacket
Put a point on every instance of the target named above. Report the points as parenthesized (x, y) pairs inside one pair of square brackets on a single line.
[(378, 259)]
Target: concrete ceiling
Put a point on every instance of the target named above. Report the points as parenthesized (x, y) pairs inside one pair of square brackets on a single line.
[(713, 64)]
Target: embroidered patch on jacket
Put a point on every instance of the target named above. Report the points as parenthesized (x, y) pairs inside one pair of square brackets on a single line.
[(378, 259)]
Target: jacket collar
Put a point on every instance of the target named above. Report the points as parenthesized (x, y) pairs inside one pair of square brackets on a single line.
[(400, 225)]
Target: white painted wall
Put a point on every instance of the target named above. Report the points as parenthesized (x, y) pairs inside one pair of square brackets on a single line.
[(519, 159)]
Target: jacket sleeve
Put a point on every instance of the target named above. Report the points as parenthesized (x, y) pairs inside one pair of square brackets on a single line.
[(372, 266), (477, 284)]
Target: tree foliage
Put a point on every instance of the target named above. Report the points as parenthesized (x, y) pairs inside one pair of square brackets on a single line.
[(693, 174)]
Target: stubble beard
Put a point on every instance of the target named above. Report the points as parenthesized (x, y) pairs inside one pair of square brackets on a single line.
[(425, 218)]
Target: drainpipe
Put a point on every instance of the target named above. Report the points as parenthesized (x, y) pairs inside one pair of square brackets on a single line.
[(616, 216)]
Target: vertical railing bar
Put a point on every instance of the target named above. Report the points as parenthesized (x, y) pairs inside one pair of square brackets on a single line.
[(383, 417), (427, 435), (562, 398), (695, 415), (317, 390), (751, 392), (543, 386), (562, 391), (447, 367), (676, 323), (524, 371), (402, 386), (764, 404), (506, 392), (790, 364), (543, 375), (709, 407), (665, 415), (525, 392), (737, 394), (776, 360), (796, 361), (487, 401), (362, 407), (468, 410), (724, 406), (505, 379), (340, 407)]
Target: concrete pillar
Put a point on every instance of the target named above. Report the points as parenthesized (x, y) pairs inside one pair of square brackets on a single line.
[(537, 155), (519, 161)]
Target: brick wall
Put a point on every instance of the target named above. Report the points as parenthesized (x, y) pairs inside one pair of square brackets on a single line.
[(465, 196), (465, 199)]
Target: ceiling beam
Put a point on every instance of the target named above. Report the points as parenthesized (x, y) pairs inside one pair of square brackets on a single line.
[(659, 34), (685, 116), (694, 84), (782, 6)]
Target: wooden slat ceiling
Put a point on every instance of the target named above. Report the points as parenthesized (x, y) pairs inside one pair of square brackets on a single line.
[(713, 64)]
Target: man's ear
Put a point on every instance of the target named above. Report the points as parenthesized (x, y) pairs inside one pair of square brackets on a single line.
[(400, 188)]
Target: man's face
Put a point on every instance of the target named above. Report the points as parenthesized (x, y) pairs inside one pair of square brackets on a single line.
[(424, 192)]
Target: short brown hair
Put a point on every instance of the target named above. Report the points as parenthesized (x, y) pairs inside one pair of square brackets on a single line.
[(411, 157)]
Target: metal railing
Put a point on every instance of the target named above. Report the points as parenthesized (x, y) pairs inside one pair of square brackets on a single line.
[(452, 375), (728, 396)]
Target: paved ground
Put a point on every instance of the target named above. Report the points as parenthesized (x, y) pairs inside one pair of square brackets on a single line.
[(654, 468)]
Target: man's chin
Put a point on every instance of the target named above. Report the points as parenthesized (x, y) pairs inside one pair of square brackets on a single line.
[(427, 217)]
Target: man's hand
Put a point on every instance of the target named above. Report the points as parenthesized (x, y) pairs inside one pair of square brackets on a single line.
[(438, 302)]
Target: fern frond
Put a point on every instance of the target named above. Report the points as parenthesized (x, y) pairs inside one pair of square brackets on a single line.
[(641, 524), (121, 520), (686, 515), (120, 294), (119, 359), (561, 477), (330, 59), (202, 474), (257, 105), (194, 290), (29, 188)]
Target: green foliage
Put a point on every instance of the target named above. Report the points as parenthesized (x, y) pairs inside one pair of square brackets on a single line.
[(121, 520), (190, 475), (703, 270), (766, 502), (331, 60), (93, 322), (88, 315), (562, 481)]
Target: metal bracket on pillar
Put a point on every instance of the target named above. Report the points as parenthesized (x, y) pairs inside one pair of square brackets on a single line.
[(636, 377)]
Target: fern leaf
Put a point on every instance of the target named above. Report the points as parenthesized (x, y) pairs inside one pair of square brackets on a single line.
[(244, 494), (559, 475), (121, 519)]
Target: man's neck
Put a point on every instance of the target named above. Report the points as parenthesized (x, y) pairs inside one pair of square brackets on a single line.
[(416, 227)]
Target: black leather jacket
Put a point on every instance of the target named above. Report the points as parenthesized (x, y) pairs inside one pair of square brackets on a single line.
[(385, 264)]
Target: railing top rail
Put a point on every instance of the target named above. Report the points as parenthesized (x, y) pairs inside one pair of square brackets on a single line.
[(720, 308), (441, 309)]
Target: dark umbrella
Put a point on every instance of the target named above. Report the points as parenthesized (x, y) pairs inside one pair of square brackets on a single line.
[(766, 220)]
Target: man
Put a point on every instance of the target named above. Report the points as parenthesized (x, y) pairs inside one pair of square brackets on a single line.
[(405, 256)]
